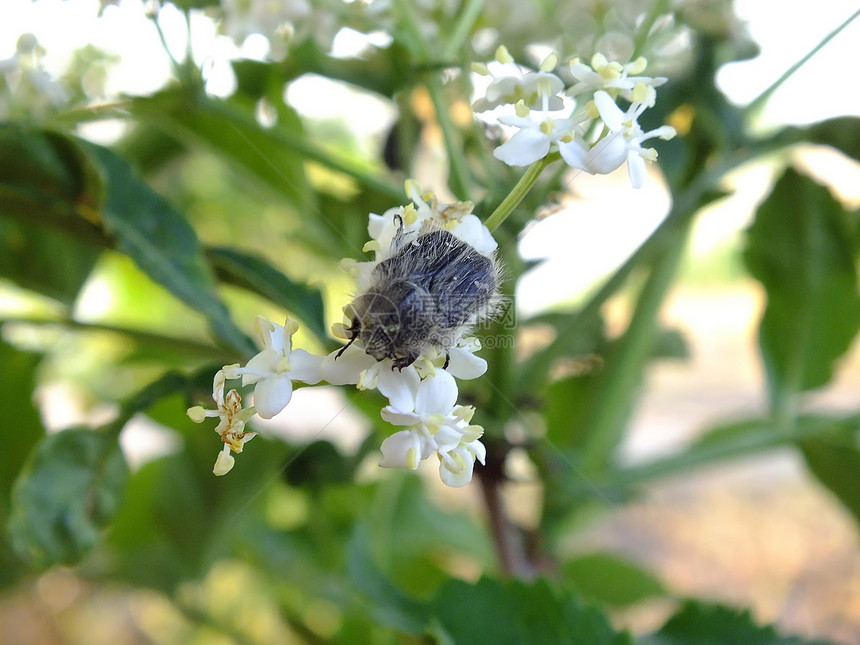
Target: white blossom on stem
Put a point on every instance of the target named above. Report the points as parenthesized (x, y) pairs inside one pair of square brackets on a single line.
[(623, 143), (609, 76), (434, 424), (231, 426), (274, 369)]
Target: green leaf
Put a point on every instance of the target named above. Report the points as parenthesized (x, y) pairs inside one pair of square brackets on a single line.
[(842, 133), (410, 537), (255, 274), (43, 260), (610, 580), (178, 518), (703, 624), (385, 602), (319, 464), (800, 248), (45, 168), (566, 402), (231, 130), (164, 245), (68, 492), (48, 180), (16, 395), (834, 459), (491, 612)]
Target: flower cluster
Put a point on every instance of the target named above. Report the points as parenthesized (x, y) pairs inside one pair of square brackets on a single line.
[(272, 372), (422, 396), (582, 122)]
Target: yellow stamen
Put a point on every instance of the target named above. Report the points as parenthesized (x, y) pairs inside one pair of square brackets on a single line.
[(480, 68), (549, 63), (522, 110), (503, 55), (410, 215), (291, 326), (637, 66), (197, 414)]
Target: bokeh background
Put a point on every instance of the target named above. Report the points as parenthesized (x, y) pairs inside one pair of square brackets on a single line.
[(755, 532)]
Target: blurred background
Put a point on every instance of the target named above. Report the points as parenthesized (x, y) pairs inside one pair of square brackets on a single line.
[(757, 532)]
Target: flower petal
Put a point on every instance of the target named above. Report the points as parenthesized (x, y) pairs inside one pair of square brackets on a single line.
[(456, 467), (574, 153), (399, 418), (607, 155), (472, 231), (463, 364), (305, 367), (271, 395), (436, 395), (636, 169), (345, 369), (401, 450), (259, 365), (399, 386), (224, 463), (524, 148), (448, 438), (611, 114)]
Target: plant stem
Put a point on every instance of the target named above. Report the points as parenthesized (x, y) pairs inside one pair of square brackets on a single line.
[(187, 347), (534, 369), (513, 199), (301, 145), (611, 407), (460, 178), (762, 98), (470, 13), (513, 561), (758, 436), (660, 7)]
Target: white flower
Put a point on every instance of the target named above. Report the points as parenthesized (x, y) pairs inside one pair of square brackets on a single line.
[(609, 76), (424, 214), (457, 465), (624, 141), (535, 138), (245, 17), (458, 360), (353, 366), (276, 367), (538, 90), (231, 426), (432, 421)]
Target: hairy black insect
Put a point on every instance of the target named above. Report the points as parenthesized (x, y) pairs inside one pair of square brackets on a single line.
[(424, 296)]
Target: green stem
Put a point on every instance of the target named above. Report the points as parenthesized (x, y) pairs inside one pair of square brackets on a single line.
[(611, 407), (755, 437), (760, 100), (513, 199), (185, 346), (687, 204), (535, 369), (303, 146), (660, 7), (411, 24), (460, 178), (178, 68), (468, 16)]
